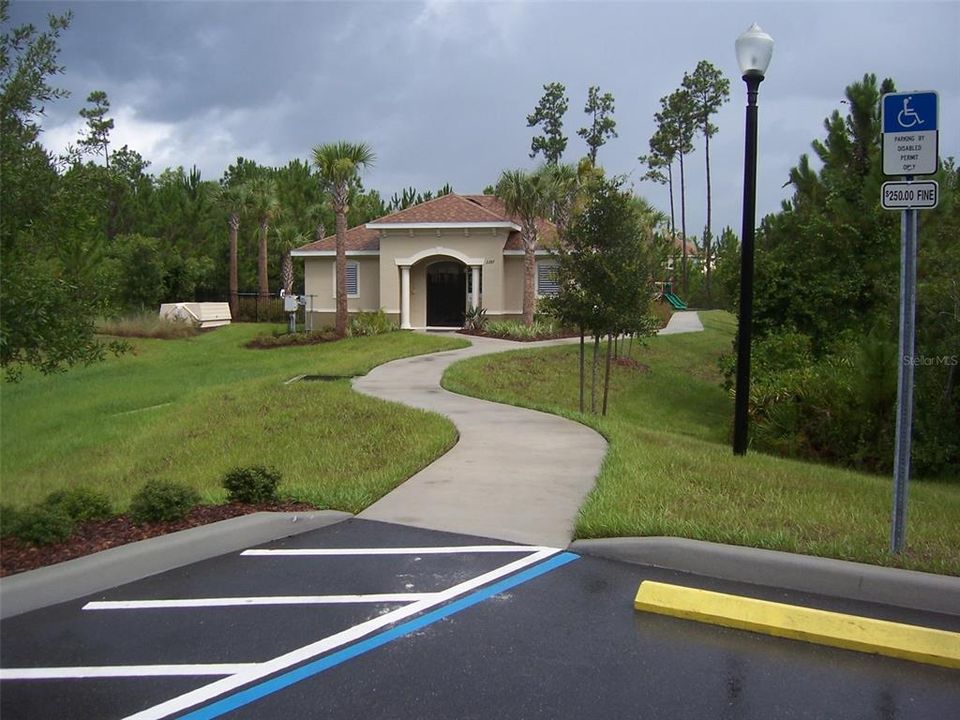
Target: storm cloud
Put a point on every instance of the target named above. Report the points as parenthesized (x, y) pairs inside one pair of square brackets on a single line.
[(441, 90)]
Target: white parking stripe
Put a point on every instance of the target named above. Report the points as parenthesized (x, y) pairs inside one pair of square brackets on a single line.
[(463, 549), (264, 600), (307, 652), (101, 671)]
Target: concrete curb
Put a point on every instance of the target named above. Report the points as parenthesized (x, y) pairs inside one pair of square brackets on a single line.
[(103, 570), (824, 576)]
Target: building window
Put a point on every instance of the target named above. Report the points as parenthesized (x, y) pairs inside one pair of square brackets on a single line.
[(353, 279), (547, 284)]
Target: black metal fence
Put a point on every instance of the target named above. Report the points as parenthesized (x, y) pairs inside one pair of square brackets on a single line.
[(253, 307)]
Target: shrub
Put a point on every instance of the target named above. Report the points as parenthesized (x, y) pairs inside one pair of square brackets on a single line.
[(512, 330), (160, 500), (251, 484), (9, 517), (80, 504), (475, 319), (42, 525), (371, 323)]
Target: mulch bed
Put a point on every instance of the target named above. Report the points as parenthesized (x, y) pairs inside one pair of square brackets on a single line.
[(270, 342), (559, 335), (631, 363), (97, 535)]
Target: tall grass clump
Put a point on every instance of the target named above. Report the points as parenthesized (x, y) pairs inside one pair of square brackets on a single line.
[(146, 325)]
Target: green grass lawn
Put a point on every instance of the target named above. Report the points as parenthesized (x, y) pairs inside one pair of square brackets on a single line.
[(191, 409), (670, 470)]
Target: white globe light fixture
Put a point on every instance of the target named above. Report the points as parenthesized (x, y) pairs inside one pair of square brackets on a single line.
[(754, 50)]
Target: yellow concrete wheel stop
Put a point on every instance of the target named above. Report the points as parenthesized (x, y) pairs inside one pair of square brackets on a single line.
[(850, 632)]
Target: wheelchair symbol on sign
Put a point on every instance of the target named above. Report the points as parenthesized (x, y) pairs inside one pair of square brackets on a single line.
[(908, 117)]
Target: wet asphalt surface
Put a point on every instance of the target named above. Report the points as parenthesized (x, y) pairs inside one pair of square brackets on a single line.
[(563, 643)]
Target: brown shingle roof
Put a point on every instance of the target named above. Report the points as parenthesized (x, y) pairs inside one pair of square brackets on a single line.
[(358, 238), (450, 208)]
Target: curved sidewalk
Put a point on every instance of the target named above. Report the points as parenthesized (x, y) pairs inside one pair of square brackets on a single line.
[(515, 474)]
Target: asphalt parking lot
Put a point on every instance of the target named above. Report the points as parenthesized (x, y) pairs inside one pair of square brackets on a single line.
[(367, 619)]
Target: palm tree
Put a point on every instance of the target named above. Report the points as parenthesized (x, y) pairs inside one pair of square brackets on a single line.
[(264, 204), (287, 236), (235, 199), (566, 193), (528, 197), (339, 164)]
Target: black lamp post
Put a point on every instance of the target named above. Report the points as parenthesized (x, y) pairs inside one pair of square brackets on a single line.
[(754, 49)]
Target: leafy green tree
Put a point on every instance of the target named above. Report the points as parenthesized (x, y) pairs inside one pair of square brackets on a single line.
[(339, 165), (602, 125), (143, 276), (605, 271), (727, 271), (827, 270), (46, 318), (28, 64), (528, 197), (709, 90), (549, 114)]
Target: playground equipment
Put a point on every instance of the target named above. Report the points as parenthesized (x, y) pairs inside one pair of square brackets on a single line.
[(674, 301)]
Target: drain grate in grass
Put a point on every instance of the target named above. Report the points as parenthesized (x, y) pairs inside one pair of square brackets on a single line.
[(319, 378)]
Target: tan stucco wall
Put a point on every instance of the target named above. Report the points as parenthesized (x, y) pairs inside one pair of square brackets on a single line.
[(318, 281), (513, 285), (479, 244), (379, 277)]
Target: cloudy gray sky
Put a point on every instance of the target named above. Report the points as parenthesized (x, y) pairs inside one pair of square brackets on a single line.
[(441, 90)]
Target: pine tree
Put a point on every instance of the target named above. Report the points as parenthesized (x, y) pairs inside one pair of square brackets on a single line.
[(549, 113)]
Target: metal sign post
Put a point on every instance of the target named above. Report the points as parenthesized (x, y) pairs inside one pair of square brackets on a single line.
[(910, 147), (908, 304)]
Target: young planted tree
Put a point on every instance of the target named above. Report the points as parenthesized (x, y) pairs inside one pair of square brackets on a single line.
[(709, 90), (549, 114), (675, 123), (527, 196), (339, 165), (605, 273), (602, 125)]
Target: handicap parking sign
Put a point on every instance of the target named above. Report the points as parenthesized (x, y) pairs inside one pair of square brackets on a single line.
[(910, 133)]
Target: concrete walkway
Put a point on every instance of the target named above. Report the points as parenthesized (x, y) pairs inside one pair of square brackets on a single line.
[(515, 474), (683, 322)]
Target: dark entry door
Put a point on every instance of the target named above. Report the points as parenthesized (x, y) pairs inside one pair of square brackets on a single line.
[(446, 294)]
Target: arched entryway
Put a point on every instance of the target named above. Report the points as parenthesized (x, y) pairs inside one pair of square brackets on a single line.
[(446, 293)]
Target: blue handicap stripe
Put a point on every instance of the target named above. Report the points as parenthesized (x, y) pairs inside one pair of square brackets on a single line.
[(268, 687)]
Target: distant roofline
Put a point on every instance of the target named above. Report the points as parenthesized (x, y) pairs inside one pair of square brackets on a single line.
[(441, 225)]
